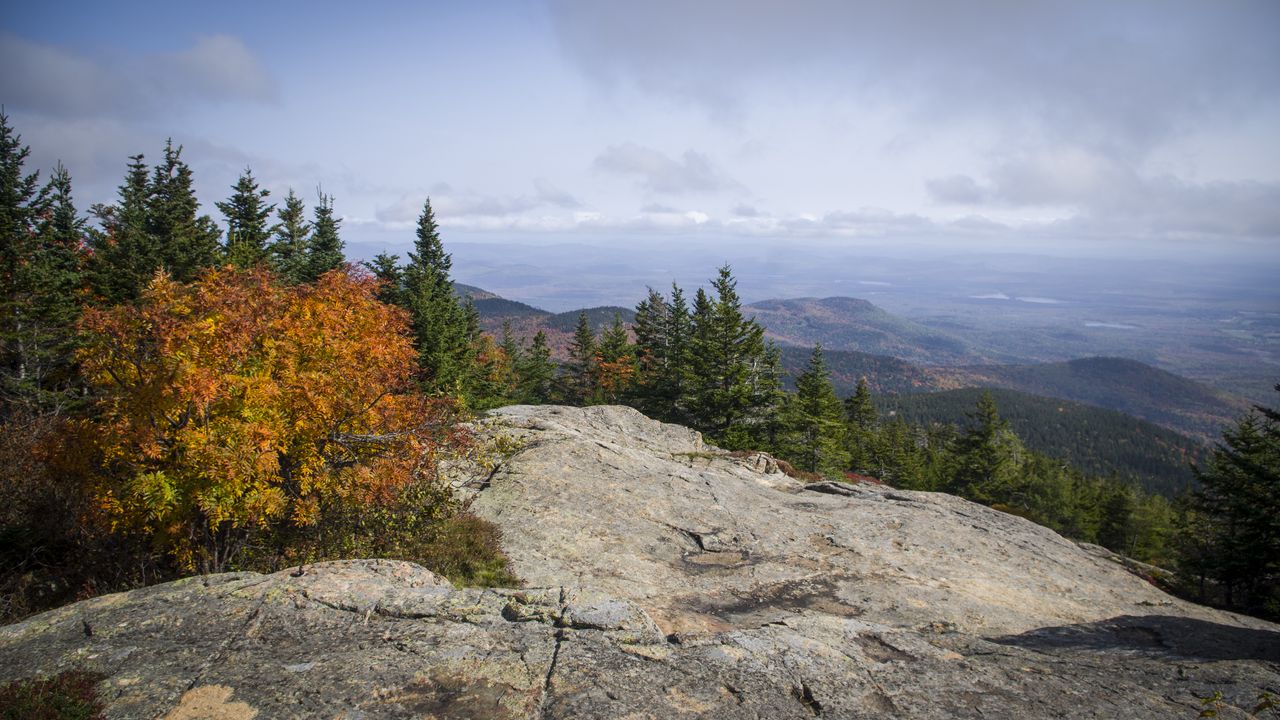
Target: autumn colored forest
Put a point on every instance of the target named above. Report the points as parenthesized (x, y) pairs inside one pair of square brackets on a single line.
[(182, 395)]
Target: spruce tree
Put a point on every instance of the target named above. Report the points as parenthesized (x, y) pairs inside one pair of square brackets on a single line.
[(615, 362), (53, 281), (324, 246), (126, 254), (988, 457), (21, 202), (861, 420), (247, 214), (386, 268), (580, 373), (652, 350), (814, 420), (535, 372), (443, 328), (737, 375), (1239, 500), (288, 249), (186, 242)]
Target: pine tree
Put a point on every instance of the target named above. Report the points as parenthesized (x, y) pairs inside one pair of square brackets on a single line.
[(814, 420), (580, 373), (324, 246), (186, 242), (535, 372), (288, 248), (247, 213), (443, 330)]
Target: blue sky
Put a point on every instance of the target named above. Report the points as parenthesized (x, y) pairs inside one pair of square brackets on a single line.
[(1046, 127)]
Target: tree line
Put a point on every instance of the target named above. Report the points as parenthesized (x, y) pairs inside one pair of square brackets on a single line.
[(180, 395)]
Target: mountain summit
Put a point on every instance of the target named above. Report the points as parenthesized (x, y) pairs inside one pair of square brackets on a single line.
[(665, 578)]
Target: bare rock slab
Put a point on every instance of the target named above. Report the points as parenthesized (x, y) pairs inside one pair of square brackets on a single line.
[(668, 579)]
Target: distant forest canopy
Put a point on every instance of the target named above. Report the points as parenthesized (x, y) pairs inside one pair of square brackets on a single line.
[(1096, 440), (182, 395)]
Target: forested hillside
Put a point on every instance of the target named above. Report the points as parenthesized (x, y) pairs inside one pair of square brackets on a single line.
[(842, 323), (884, 374), (1096, 440), (1119, 384)]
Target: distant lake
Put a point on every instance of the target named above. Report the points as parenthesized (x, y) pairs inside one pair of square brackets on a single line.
[(1116, 326)]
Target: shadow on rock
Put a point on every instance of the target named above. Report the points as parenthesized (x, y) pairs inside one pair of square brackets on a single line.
[(1162, 635)]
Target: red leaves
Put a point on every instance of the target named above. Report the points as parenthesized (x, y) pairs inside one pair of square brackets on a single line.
[(236, 402)]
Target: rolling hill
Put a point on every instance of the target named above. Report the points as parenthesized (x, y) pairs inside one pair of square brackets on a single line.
[(1129, 386), (1096, 440), (842, 323)]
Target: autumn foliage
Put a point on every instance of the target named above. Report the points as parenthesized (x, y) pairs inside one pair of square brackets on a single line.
[(236, 406)]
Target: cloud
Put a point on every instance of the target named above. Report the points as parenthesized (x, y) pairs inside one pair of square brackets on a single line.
[(1101, 194), (1121, 76), (956, 189), (549, 194), (658, 173), (59, 82), (465, 207)]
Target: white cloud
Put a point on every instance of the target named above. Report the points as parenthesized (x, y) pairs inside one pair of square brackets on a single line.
[(656, 172)]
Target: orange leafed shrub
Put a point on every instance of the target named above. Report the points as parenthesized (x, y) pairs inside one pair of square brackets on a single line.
[(236, 404)]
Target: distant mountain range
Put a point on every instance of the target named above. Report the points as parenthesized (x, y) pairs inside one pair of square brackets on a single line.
[(899, 356)]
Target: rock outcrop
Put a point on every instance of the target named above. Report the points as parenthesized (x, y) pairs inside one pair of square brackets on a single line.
[(665, 579)]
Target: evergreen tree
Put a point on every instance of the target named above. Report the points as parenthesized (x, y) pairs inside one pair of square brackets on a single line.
[(1239, 499), (651, 350), (126, 254), (186, 242), (615, 363), (736, 376), (324, 246), (579, 380), (21, 204), (514, 357), (289, 245), (1117, 529), (51, 284), (814, 420), (861, 420), (386, 268), (247, 213), (535, 372), (674, 376), (443, 330), (988, 457)]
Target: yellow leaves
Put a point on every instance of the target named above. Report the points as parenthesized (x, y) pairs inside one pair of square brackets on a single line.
[(155, 492), (234, 402)]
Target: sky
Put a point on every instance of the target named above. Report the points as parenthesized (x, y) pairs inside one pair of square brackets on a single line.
[(1080, 127)]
